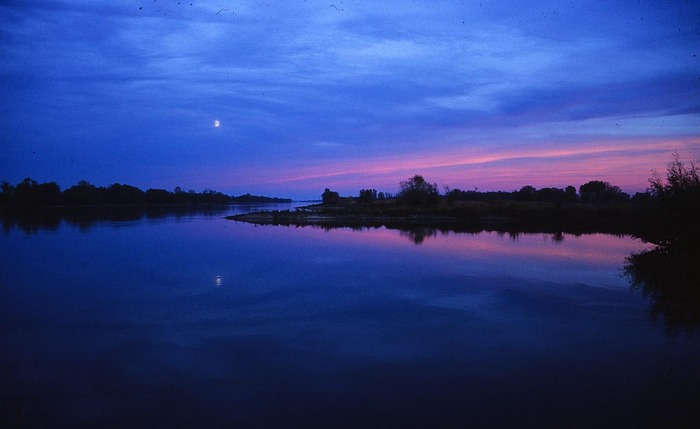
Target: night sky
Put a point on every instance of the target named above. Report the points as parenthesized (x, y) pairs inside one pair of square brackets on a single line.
[(347, 94)]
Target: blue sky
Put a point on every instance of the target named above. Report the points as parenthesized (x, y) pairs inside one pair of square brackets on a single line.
[(358, 94)]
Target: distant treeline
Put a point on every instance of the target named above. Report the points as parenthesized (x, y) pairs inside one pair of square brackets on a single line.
[(417, 191), (30, 193), (667, 212), (595, 191)]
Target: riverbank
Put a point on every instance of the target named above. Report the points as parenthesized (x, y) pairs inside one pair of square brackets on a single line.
[(464, 216)]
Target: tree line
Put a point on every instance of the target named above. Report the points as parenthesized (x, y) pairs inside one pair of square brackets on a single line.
[(417, 191), (30, 193), (669, 208)]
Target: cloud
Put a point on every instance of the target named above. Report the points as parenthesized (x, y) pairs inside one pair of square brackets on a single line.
[(506, 168), (367, 87)]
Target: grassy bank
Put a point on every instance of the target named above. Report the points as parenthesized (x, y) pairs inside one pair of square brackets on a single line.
[(464, 215)]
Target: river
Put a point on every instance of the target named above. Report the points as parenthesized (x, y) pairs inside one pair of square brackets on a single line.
[(190, 320)]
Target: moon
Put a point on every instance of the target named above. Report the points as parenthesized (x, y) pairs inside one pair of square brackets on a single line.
[(217, 123)]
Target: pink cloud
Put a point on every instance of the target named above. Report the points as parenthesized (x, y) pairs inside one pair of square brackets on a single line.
[(624, 162)]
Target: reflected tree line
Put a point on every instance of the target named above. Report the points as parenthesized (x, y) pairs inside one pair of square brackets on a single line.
[(417, 233), (84, 218), (597, 206), (669, 273), (33, 206), (665, 216)]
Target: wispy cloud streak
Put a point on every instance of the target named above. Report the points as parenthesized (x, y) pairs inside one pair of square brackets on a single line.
[(374, 91)]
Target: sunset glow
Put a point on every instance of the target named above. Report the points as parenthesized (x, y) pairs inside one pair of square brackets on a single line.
[(472, 95), (628, 164)]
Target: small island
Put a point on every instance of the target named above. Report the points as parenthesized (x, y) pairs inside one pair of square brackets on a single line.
[(666, 210), (461, 215), (666, 215)]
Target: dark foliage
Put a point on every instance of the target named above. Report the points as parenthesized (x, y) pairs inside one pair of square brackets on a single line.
[(49, 218), (675, 203), (30, 194), (118, 194), (367, 195), (670, 273), (330, 197), (459, 195), (416, 191), (525, 194), (251, 199), (597, 191), (670, 276), (158, 196)]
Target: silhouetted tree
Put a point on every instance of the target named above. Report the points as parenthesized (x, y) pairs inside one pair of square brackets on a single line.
[(330, 197), (83, 193), (25, 192), (123, 195), (416, 191), (367, 195), (527, 193), (681, 180), (49, 193), (248, 198), (554, 195), (641, 197), (452, 195), (670, 273), (460, 195), (158, 196), (210, 196), (670, 276), (29, 193), (180, 196), (676, 202), (8, 193), (597, 191)]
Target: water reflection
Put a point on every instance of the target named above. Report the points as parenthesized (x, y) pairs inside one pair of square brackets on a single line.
[(670, 276), (328, 328), (32, 221), (418, 234)]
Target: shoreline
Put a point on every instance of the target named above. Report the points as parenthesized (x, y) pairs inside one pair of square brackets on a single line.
[(496, 216)]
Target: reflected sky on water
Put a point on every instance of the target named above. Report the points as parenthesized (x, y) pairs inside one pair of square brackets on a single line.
[(196, 320)]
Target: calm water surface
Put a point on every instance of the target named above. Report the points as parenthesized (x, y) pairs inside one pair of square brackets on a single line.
[(192, 320)]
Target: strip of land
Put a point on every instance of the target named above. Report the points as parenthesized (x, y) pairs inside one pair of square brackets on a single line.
[(462, 216)]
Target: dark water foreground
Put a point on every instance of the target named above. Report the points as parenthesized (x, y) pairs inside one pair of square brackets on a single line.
[(190, 320)]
